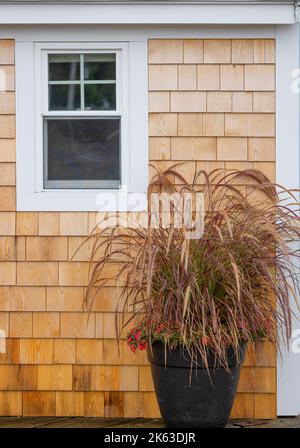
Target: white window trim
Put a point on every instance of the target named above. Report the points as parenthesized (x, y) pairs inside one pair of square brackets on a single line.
[(42, 100), (31, 82)]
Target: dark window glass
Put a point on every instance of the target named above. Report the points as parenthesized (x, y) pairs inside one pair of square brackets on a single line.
[(64, 97), (64, 67), (81, 150), (99, 67), (100, 96)]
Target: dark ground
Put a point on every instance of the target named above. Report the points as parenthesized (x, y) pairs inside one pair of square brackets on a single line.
[(87, 422)]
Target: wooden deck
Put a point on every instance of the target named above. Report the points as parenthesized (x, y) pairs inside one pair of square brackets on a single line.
[(77, 422), (86, 422)]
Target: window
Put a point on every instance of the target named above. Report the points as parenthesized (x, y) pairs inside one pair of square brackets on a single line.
[(82, 122)]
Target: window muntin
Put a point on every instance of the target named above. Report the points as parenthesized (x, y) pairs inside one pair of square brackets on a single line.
[(82, 81), (82, 123)]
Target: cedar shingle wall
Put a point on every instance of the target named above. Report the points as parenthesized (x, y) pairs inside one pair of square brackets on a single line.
[(60, 361), (212, 105)]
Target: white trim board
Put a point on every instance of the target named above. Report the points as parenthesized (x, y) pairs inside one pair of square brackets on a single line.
[(171, 13), (287, 164), (126, 33)]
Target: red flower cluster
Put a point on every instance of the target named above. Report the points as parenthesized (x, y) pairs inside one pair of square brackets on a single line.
[(136, 340), (160, 329), (205, 341)]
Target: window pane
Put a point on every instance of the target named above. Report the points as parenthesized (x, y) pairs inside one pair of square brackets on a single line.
[(82, 150), (100, 96), (64, 97), (99, 67), (64, 67)]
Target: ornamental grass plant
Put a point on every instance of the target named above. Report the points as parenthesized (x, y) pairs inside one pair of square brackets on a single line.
[(233, 283)]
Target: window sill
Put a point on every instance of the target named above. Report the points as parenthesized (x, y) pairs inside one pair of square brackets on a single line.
[(82, 200)]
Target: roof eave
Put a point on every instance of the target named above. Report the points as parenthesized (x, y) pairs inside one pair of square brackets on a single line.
[(142, 12)]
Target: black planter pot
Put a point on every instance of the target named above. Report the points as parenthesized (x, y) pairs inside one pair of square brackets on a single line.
[(194, 398)]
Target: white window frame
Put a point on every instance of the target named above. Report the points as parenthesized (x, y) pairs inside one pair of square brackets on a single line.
[(32, 88), (121, 101)]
